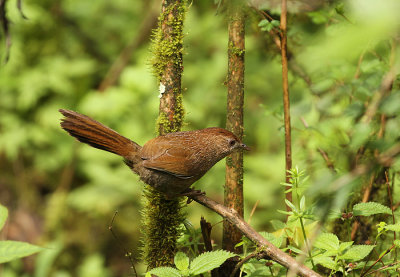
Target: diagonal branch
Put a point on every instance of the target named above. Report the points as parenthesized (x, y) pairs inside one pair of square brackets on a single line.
[(271, 250)]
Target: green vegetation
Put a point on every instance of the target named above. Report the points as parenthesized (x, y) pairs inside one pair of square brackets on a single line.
[(344, 62)]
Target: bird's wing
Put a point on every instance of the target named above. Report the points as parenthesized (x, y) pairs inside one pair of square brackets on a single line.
[(168, 156)]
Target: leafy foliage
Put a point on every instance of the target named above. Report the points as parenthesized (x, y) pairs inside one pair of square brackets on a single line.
[(11, 250), (201, 264), (341, 54), (370, 208)]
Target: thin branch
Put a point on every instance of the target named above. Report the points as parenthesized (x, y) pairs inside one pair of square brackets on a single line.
[(127, 253), (378, 260), (271, 250), (391, 200), (252, 211), (286, 99), (382, 268), (258, 256), (386, 86)]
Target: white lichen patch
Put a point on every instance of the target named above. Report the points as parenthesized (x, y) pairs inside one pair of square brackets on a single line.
[(161, 89)]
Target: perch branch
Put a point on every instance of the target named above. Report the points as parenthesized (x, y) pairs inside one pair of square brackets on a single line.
[(271, 250)]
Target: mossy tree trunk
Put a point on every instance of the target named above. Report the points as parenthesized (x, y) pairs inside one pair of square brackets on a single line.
[(234, 121), (162, 217)]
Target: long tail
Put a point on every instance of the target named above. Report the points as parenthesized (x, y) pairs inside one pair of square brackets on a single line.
[(91, 132)]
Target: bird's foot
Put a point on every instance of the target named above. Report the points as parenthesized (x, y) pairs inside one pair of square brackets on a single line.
[(191, 192)]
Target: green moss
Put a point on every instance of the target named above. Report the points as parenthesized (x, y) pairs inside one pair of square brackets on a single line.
[(229, 161), (169, 49), (174, 125), (163, 218), (236, 50), (179, 113), (161, 227)]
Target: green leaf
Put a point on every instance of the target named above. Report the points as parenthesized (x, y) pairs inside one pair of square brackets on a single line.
[(397, 243), (370, 208), (164, 271), (181, 261), (393, 227), (263, 23), (294, 249), (277, 224), (11, 250), (209, 260), (345, 245), (291, 205), (302, 203), (277, 241), (275, 23), (327, 241), (3, 216), (325, 262), (357, 252)]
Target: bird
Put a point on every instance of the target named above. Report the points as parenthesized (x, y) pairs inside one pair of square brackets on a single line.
[(169, 163)]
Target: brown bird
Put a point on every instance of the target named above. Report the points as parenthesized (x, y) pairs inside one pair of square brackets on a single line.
[(169, 163)]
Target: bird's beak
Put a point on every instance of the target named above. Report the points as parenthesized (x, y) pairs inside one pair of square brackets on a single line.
[(245, 147)]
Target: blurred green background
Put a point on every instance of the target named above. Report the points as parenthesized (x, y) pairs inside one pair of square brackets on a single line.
[(62, 195)]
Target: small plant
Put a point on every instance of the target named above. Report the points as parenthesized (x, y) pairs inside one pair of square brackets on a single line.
[(201, 264), (11, 250), (327, 250), (339, 256)]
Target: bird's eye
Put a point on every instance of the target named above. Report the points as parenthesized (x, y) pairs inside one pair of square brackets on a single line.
[(232, 142)]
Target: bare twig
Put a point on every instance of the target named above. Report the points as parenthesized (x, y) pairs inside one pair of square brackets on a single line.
[(378, 260), (252, 211), (382, 268), (127, 253), (386, 86), (258, 256), (286, 99), (206, 233)]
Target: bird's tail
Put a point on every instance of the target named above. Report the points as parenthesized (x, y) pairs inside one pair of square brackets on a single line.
[(91, 132)]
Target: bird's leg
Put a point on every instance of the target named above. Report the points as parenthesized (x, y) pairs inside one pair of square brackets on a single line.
[(191, 192)]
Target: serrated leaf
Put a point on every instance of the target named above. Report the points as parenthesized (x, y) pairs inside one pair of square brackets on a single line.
[(208, 261), (164, 271), (357, 252), (181, 261), (277, 224), (3, 216), (344, 245), (277, 241), (370, 208), (393, 227), (325, 262), (11, 250), (327, 241)]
